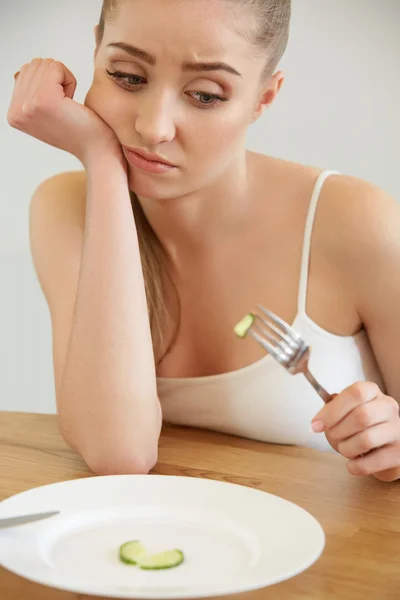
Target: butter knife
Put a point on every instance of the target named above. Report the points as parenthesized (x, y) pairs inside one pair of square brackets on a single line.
[(14, 521)]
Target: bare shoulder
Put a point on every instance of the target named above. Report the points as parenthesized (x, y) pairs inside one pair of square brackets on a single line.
[(61, 192), (283, 172), (282, 183), (357, 234), (357, 219), (57, 220), (350, 208)]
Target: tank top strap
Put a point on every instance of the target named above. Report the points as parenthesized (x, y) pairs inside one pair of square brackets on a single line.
[(305, 261)]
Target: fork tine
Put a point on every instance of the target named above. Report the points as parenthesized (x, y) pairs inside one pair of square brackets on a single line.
[(273, 350), (282, 336), (287, 349), (278, 321), (290, 350)]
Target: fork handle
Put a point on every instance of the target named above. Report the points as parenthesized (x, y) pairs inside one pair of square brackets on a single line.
[(326, 397)]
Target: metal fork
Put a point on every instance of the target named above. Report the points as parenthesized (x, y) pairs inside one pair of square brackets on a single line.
[(285, 345)]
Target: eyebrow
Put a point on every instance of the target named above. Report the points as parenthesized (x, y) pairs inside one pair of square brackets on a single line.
[(187, 66)]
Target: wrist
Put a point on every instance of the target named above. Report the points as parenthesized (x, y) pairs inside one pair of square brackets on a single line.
[(103, 155), (107, 177)]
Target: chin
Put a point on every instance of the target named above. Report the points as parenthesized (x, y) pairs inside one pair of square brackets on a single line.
[(156, 188), (146, 188)]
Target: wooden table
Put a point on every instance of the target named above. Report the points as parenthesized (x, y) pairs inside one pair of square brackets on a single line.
[(361, 516)]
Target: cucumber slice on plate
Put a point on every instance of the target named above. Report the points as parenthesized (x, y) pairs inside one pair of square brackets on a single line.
[(244, 325), (162, 560), (131, 552)]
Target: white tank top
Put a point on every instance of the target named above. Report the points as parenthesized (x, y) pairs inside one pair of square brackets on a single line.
[(262, 401)]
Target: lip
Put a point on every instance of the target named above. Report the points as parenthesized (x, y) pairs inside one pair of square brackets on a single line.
[(149, 156)]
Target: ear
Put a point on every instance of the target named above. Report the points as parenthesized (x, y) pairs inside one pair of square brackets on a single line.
[(269, 94)]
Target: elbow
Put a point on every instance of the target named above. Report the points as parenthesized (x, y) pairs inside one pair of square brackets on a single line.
[(132, 467), (116, 459), (121, 463), (116, 452)]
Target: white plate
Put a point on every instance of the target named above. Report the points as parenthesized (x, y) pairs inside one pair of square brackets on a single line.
[(234, 538)]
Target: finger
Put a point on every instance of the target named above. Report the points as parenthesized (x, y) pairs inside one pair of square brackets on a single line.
[(370, 439), (18, 76), (19, 83), (69, 83), (376, 461), (37, 81), (388, 474), (28, 73), (340, 406), (362, 417), (64, 77)]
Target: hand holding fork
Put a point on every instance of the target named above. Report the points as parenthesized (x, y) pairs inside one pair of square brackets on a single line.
[(361, 423)]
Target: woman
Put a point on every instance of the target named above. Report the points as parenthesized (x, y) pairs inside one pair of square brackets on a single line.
[(143, 302)]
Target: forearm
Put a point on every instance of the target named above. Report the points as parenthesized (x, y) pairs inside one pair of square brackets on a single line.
[(108, 398)]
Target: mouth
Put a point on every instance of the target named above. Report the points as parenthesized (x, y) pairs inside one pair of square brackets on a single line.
[(149, 157)]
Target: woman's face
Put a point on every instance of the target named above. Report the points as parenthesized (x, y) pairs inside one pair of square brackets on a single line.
[(178, 79)]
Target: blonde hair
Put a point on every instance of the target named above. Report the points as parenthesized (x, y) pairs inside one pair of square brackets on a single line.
[(269, 35)]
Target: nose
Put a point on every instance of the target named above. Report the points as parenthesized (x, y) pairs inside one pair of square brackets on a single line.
[(155, 121)]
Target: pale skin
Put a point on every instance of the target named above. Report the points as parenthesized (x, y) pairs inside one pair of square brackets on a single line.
[(220, 206)]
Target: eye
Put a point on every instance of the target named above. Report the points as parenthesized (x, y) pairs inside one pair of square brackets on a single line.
[(128, 80), (208, 100)]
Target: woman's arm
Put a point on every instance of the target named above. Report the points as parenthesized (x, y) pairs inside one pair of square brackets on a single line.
[(364, 232), (363, 241), (85, 250)]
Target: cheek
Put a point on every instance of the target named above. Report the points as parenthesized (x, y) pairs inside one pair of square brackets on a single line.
[(107, 104), (219, 130)]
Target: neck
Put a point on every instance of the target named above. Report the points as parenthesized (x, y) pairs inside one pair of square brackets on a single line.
[(195, 221)]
